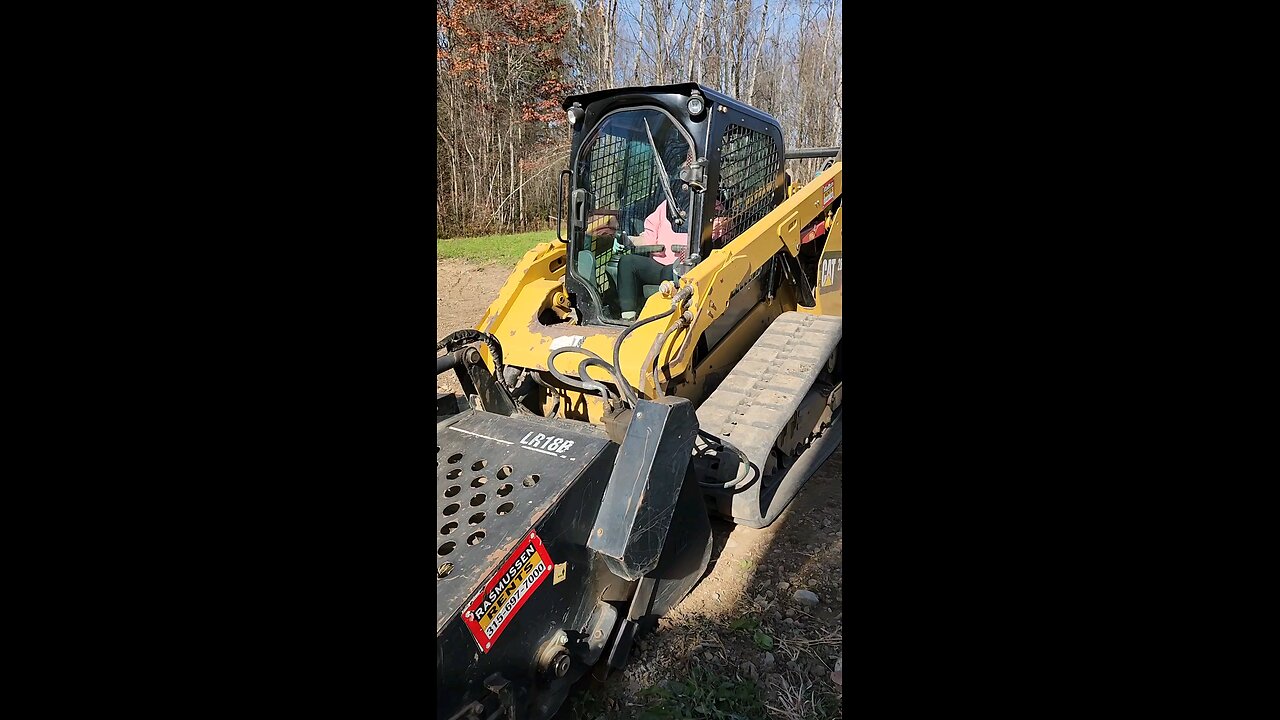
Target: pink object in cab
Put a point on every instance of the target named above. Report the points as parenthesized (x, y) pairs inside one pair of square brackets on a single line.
[(657, 231)]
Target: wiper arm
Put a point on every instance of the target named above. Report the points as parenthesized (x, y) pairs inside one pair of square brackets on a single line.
[(666, 183)]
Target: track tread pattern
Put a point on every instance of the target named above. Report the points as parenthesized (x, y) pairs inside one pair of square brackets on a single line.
[(753, 404)]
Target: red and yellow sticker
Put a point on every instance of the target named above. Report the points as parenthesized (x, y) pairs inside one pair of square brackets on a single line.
[(493, 608)]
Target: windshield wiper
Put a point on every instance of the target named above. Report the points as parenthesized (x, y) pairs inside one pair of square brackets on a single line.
[(666, 179)]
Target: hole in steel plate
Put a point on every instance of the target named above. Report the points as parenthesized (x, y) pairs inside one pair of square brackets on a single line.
[(478, 465), (476, 519), (505, 490), (504, 472), (453, 490), (453, 474), (453, 508), (445, 569), (437, 449), (506, 507), (531, 480), (475, 537), (447, 548), (477, 500), (479, 481), (449, 527), (455, 457)]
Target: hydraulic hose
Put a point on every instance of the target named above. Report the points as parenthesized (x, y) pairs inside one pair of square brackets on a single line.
[(683, 322), (735, 485), (680, 297), (584, 382), (462, 337), (627, 390), (589, 382)]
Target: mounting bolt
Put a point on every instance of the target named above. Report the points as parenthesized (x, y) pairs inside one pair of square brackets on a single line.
[(554, 659), (560, 664)]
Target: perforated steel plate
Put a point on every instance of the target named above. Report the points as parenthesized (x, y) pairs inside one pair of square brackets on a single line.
[(496, 477)]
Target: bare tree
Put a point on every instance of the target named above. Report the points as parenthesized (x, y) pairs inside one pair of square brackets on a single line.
[(505, 66)]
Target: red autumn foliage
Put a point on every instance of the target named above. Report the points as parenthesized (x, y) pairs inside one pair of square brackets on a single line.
[(507, 46)]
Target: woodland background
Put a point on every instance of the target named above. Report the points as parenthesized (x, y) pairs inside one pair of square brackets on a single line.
[(504, 66)]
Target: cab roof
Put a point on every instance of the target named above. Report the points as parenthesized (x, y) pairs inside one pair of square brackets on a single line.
[(685, 89)]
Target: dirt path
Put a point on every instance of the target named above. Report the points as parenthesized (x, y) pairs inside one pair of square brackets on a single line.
[(742, 642), (463, 292)]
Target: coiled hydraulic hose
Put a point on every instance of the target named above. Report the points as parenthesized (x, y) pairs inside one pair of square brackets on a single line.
[(462, 337), (735, 484), (583, 381), (629, 395)]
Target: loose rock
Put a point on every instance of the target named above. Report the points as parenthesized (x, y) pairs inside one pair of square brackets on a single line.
[(804, 597), (784, 585)]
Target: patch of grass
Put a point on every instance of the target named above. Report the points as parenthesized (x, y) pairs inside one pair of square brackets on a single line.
[(703, 694), (762, 640), (506, 249)]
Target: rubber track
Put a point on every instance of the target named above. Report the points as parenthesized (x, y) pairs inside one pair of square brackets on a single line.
[(752, 406)]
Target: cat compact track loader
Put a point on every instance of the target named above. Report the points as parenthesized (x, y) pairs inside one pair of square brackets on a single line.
[(676, 352)]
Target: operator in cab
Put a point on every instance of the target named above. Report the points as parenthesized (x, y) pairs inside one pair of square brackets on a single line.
[(636, 166), (655, 251)]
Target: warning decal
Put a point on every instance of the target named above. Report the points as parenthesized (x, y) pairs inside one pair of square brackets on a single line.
[(492, 609), (828, 193)]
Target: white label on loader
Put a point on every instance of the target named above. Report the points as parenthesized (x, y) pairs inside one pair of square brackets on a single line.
[(568, 341), (547, 444)]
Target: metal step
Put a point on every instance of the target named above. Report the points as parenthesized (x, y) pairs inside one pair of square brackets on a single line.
[(752, 406)]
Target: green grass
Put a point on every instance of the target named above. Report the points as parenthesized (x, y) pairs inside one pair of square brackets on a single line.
[(703, 694), (505, 249)]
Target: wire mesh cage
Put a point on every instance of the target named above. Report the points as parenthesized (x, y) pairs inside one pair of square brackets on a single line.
[(749, 168), (624, 182)]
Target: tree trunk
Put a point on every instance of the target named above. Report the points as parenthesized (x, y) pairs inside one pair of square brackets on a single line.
[(755, 59)]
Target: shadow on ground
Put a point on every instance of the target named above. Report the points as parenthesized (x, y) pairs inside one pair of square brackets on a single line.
[(742, 643)]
